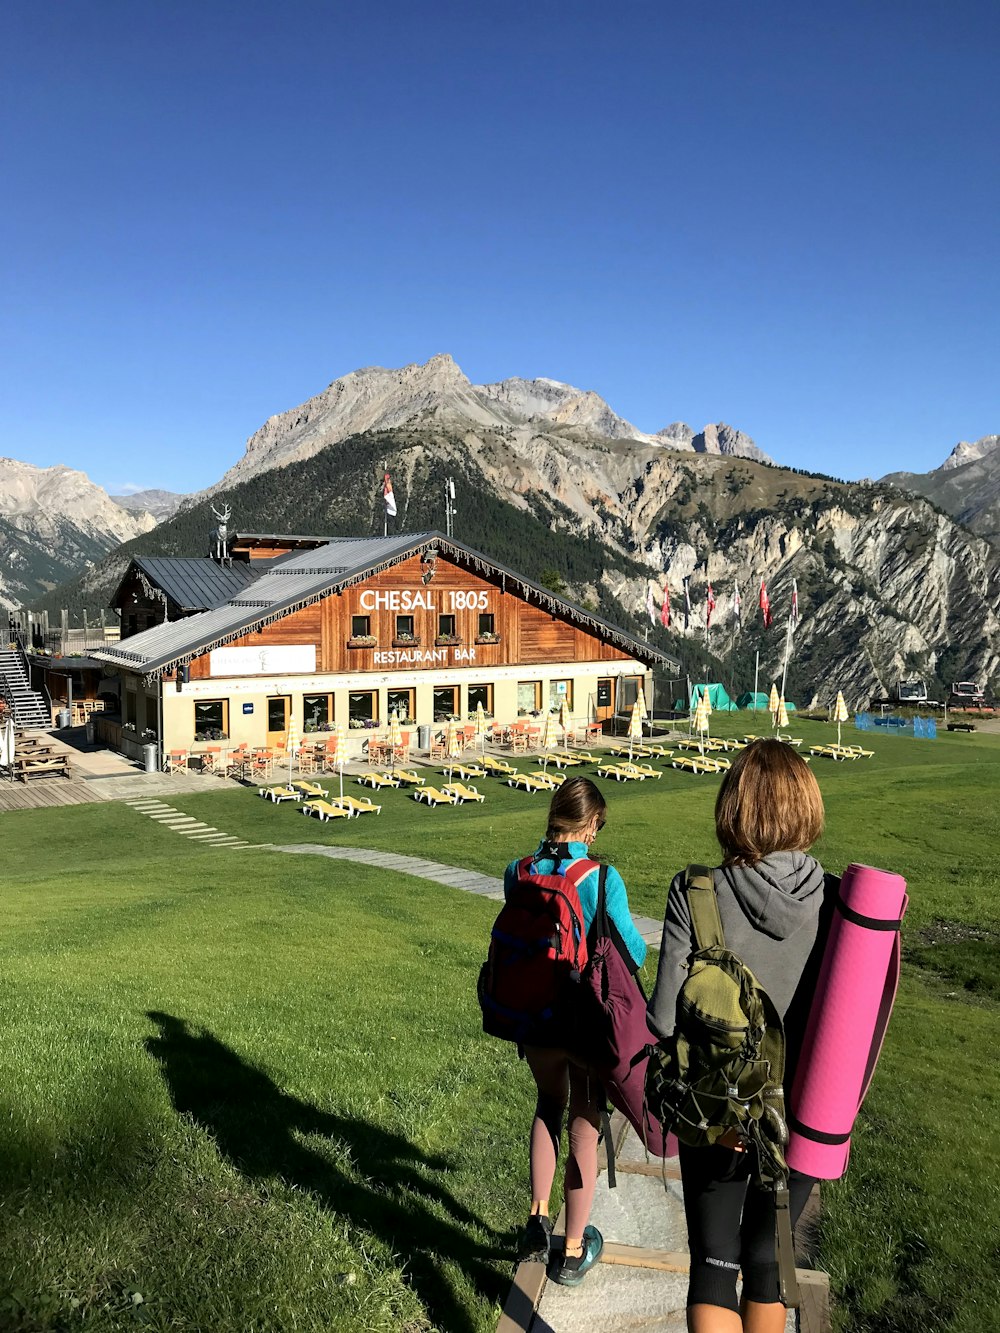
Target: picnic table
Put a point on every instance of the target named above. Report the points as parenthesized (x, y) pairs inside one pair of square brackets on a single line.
[(42, 762)]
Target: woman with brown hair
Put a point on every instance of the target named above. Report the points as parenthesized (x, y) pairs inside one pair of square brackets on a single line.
[(577, 814), (771, 893)]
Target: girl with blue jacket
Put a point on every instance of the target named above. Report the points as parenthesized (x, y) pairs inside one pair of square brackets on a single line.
[(577, 814)]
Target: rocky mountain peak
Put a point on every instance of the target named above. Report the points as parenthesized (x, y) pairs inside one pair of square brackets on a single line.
[(726, 440), (966, 452)]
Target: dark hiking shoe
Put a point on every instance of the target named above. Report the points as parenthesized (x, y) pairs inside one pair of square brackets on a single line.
[(533, 1247), (572, 1269)]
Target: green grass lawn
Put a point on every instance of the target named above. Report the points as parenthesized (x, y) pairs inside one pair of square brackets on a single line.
[(248, 1091)]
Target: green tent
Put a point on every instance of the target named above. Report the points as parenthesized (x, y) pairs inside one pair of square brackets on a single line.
[(747, 701), (717, 697), (751, 700)]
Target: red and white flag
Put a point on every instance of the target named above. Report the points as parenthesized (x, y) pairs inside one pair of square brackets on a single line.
[(709, 605), (665, 608), (388, 499), (737, 605), (765, 604), (650, 605), (795, 604)]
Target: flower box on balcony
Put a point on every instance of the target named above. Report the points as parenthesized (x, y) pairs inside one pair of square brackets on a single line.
[(487, 638), (447, 641), (401, 641), (363, 641)]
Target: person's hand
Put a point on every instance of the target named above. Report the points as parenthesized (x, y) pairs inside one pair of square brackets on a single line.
[(731, 1140)]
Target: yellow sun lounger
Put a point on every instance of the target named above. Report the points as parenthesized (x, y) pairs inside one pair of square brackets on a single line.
[(324, 811), (356, 807), (464, 793), (408, 778), (465, 771), (432, 796), (563, 760), (658, 752), (279, 794), (310, 789), (526, 782), (620, 773), (378, 780), (643, 770), (585, 757), (623, 751), (688, 745), (837, 752), (556, 779), (497, 767), (862, 754), (691, 763)]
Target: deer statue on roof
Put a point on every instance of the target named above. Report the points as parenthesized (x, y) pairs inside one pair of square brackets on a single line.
[(221, 534)]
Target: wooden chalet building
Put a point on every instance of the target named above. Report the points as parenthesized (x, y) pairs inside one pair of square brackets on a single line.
[(349, 630)]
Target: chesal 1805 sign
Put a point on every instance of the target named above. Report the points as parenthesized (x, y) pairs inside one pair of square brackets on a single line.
[(447, 600)]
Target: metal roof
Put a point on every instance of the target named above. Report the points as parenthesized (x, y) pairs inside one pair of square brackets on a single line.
[(298, 580), (197, 585)]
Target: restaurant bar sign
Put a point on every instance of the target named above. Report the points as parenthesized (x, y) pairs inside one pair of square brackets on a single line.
[(292, 659)]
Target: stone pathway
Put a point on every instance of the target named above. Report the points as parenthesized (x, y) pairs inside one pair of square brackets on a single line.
[(193, 829), (641, 1282)]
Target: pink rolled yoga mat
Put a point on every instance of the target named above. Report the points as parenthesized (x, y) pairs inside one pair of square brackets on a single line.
[(848, 1020)]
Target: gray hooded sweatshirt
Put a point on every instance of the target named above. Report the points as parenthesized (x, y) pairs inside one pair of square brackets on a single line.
[(771, 917)]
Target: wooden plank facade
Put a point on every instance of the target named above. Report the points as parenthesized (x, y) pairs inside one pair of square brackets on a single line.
[(428, 637)]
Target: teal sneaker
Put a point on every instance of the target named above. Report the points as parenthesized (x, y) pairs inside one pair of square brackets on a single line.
[(571, 1271)]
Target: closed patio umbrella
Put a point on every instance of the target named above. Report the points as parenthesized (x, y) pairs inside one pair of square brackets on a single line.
[(395, 737), (772, 704), (634, 727), (782, 718), (701, 716), (565, 721), (454, 742), (338, 753), (481, 725), (550, 736), (840, 713), (292, 742)]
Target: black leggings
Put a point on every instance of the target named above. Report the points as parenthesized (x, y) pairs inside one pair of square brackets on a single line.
[(731, 1226)]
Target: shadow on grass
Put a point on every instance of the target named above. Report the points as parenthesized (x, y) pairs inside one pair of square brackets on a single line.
[(387, 1193)]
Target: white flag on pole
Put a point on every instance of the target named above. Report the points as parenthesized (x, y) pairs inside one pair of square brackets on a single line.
[(388, 499)]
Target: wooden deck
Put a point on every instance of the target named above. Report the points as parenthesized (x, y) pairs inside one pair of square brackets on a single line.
[(42, 793)]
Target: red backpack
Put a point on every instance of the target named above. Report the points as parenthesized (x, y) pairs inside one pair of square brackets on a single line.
[(538, 949)]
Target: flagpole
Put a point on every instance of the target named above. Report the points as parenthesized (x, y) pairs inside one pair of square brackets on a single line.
[(756, 674), (385, 512), (788, 647)]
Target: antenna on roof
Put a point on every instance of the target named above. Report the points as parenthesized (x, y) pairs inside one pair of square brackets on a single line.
[(449, 506)]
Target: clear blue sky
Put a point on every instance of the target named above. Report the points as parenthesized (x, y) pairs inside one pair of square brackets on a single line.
[(783, 216)]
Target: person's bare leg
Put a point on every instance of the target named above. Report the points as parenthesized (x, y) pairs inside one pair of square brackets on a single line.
[(551, 1074), (713, 1319), (761, 1318), (581, 1162)]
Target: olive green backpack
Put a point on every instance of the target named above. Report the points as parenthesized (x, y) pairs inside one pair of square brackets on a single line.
[(723, 1067)]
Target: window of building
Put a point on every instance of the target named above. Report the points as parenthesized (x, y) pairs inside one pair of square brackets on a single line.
[(131, 624), (130, 707), (481, 694), (445, 702), (561, 692), (362, 707), (360, 626), (628, 691), (487, 623), (529, 696), (401, 702), (404, 628), (446, 627), (317, 711), (211, 719)]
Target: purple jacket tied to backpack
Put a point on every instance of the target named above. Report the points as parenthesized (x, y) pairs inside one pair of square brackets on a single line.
[(613, 1034)]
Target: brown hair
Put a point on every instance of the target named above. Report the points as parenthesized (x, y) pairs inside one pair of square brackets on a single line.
[(574, 805), (769, 801)]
